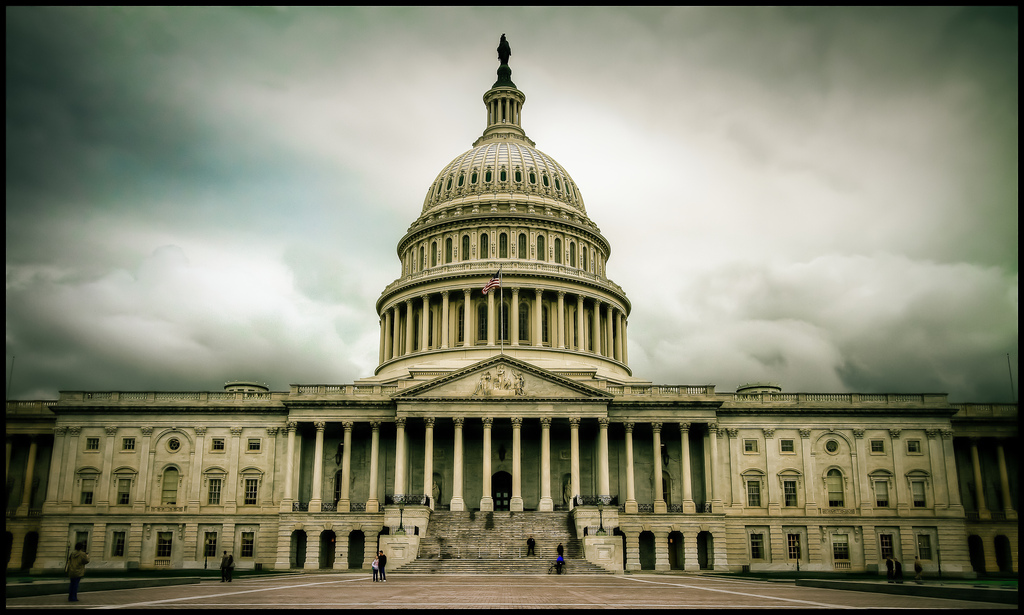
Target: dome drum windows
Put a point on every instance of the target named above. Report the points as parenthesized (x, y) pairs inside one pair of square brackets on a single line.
[(503, 245)]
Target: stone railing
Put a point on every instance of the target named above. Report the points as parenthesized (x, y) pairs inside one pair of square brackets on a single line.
[(343, 390), (834, 398), (838, 511), (676, 390), (595, 500), (171, 397), (167, 509), (407, 499)]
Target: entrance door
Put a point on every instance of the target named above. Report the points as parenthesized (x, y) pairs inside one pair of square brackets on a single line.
[(327, 549), (501, 490)]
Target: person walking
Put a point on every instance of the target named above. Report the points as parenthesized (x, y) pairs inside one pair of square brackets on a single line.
[(227, 564), (889, 569), (918, 569), (376, 567), (382, 561), (76, 570), (898, 572), (530, 544)]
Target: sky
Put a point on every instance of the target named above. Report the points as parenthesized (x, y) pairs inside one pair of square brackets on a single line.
[(821, 198)]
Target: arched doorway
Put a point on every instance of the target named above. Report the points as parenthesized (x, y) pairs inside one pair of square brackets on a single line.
[(1004, 554), (28, 553), (675, 550), (706, 551), (501, 490), (976, 550), (327, 549), (647, 551), (356, 545), (618, 532), (297, 551)]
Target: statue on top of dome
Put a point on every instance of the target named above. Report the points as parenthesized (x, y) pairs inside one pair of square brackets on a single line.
[(504, 50)]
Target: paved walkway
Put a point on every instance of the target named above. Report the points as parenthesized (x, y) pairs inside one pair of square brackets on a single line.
[(410, 591)]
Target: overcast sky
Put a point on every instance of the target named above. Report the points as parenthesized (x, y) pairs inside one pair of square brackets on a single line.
[(822, 198)]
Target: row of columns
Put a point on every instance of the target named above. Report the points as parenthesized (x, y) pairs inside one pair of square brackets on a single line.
[(979, 486), (607, 334)]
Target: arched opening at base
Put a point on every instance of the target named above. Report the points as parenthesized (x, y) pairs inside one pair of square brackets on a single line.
[(297, 550), (675, 550), (328, 545), (976, 551), (356, 546), (1004, 554), (28, 553), (706, 551), (647, 551)]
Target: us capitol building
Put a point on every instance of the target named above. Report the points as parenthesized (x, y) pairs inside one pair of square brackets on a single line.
[(493, 417)]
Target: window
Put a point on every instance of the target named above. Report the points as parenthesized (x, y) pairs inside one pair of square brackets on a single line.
[(213, 493), (882, 494), (917, 493), (217, 444), (524, 322), (789, 492), (127, 444), (584, 262), (572, 254), (519, 175), (484, 245), (92, 444), (924, 546), (753, 493), (210, 545), (433, 254), (914, 447), (878, 446), (558, 251), (88, 487), (503, 246), (82, 537), (542, 253), (750, 446), (786, 446), (834, 486), (523, 251), (533, 178), (757, 546), (831, 446), (248, 544), (448, 251), (462, 323), (117, 544), (163, 544), (793, 546), (465, 248), (254, 445), (481, 322), (169, 492), (124, 491), (885, 542), (423, 258), (840, 547), (252, 487), (487, 177), (504, 175), (544, 324)]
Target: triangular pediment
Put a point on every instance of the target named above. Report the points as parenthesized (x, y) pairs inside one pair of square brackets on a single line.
[(502, 378)]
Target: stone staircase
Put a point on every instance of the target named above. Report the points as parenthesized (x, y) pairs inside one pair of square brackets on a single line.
[(495, 543)]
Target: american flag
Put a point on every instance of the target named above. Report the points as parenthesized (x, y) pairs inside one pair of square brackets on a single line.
[(494, 283)]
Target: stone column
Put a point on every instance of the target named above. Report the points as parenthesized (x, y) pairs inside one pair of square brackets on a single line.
[(603, 482), (373, 504), (625, 340), (388, 343), (383, 343), (103, 488), (26, 491), (444, 320), (425, 324), (457, 503), (345, 502), (516, 503), (866, 500), (810, 506), (901, 488), (145, 462), (595, 327), (399, 456), (574, 454), (514, 317), (428, 460), (979, 486), (467, 331), (659, 493), (561, 319), (684, 435), (631, 505), (938, 469), (737, 490), (952, 479), (713, 496), (396, 334), (538, 318), (619, 340), (580, 321), (610, 334), (53, 484), (1004, 483), (233, 478), (289, 497), (633, 551), (546, 503), (197, 470), (408, 327), (316, 497), (486, 501)]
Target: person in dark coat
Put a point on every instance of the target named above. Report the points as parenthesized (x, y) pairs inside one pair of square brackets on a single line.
[(382, 560), (76, 570), (889, 569), (918, 569), (227, 564), (898, 572), (530, 544)]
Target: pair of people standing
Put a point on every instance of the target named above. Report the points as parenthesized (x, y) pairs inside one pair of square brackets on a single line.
[(227, 565), (378, 565), (893, 570)]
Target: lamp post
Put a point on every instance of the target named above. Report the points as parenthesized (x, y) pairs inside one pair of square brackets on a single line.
[(401, 515), (600, 511)]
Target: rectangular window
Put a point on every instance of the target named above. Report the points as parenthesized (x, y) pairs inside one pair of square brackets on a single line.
[(750, 446), (753, 493), (882, 494), (213, 495), (92, 444), (885, 541), (793, 545), (787, 446), (127, 444), (917, 492), (163, 544), (924, 546), (254, 445), (789, 491), (217, 444), (251, 490), (124, 491), (210, 545), (840, 547), (117, 544), (914, 447), (878, 446), (757, 546), (88, 487), (248, 544)]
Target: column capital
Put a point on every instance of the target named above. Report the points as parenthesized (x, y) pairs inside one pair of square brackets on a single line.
[(947, 434), (111, 431), (271, 431), (375, 425), (894, 434), (348, 425), (458, 421), (200, 430), (732, 431), (400, 422), (656, 427), (629, 426), (684, 427), (769, 432), (603, 422), (429, 421), (77, 429), (146, 431), (574, 422), (236, 431), (517, 422), (59, 431), (931, 433), (320, 425), (545, 421), (515, 290), (561, 293), (444, 293), (487, 421), (805, 433), (713, 427), (858, 433), (291, 426)]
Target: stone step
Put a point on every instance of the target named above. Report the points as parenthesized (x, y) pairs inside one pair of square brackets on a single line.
[(496, 566)]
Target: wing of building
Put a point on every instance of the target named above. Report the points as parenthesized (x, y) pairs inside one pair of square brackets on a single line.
[(495, 417)]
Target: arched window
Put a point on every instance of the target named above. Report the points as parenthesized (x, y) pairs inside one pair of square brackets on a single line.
[(503, 246), (448, 250), (572, 254), (584, 258), (462, 179), (433, 254), (558, 250), (523, 253), (472, 179), (542, 251), (465, 248), (423, 258), (524, 322), (487, 177), (484, 247), (544, 324), (462, 323), (519, 176), (169, 487), (504, 176), (481, 322), (834, 486)]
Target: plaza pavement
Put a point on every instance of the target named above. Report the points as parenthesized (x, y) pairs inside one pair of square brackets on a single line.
[(436, 592)]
